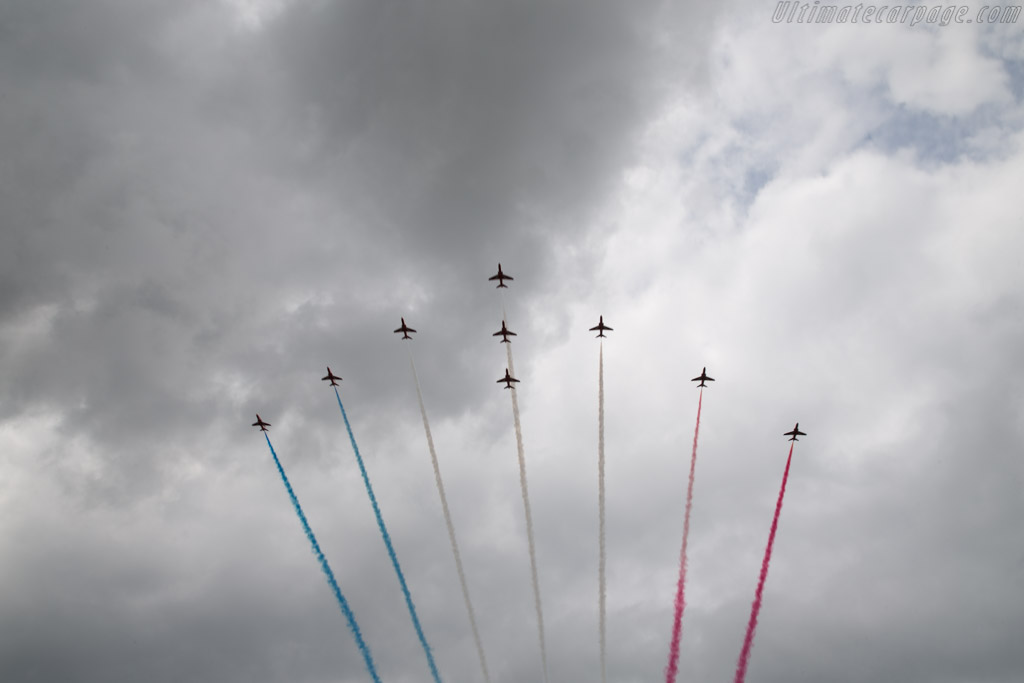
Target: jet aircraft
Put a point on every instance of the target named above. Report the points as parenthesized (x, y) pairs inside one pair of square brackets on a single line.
[(507, 379), (262, 425), (601, 328), (504, 332), (501, 277), (405, 330), (331, 376), (703, 377), (796, 432)]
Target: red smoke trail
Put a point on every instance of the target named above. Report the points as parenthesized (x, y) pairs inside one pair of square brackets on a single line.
[(677, 625), (755, 608)]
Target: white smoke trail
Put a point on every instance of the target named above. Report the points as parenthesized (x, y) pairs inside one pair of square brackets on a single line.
[(448, 521), (600, 507), (529, 519)]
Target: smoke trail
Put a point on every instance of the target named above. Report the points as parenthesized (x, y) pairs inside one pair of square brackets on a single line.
[(529, 520), (353, 626), (387, 542), (677, 624), (755, 608), (600, 509), (448, 521)]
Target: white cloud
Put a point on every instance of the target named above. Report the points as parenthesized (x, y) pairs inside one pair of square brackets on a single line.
[(940, 71), (857, 291)]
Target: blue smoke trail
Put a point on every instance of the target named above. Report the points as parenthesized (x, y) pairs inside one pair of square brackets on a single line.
[(387, 542), (327, 570)]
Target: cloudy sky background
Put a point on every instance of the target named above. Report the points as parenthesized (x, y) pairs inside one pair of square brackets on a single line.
[(204, 204)]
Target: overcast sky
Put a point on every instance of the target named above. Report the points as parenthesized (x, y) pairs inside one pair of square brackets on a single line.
[(204, 204)]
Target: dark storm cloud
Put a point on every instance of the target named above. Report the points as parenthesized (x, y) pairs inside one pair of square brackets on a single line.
[(460, 136), (470, 129), (352, 152), (194, 221)]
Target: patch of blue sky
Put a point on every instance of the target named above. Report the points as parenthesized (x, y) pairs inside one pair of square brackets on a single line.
[(1015, 69), (938, 138)]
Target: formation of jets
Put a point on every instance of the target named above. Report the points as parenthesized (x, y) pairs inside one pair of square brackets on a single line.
[(508, 379), (405, 330), (703, 377)]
